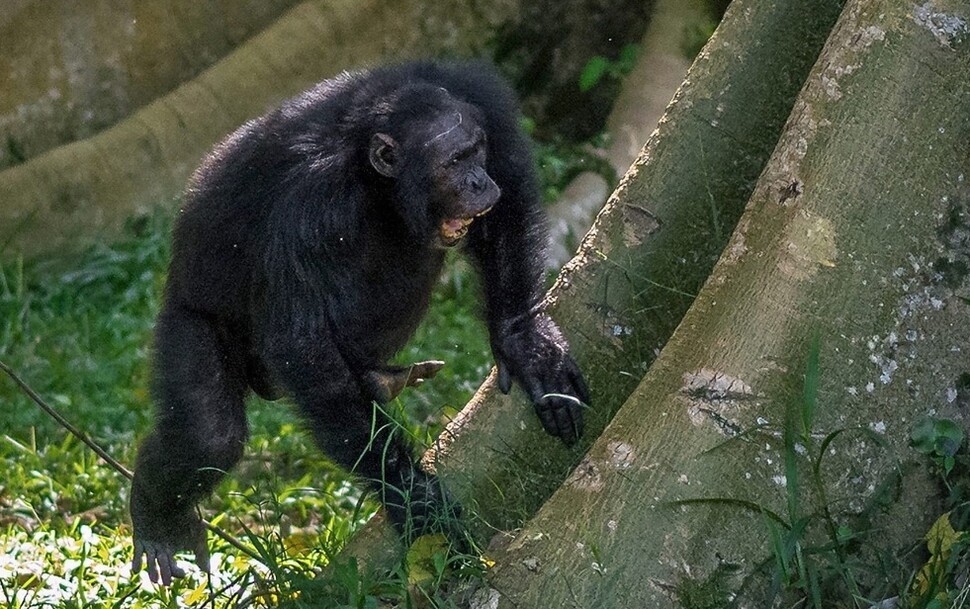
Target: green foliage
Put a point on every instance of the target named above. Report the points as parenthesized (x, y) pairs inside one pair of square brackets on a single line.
[(949, 556), (803, 567), (941, 582), (696, 36), (82, 336), (714, 592), (599, 67), (939, 439), (559, 162)]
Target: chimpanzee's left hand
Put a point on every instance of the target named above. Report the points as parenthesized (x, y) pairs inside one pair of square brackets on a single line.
[(532, 351)]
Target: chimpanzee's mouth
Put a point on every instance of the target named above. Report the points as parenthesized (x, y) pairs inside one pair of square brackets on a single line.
[(453, 229)]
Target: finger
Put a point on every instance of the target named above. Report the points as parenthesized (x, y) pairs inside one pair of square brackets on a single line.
[(547, 418), (576, 417), (568, 415), (164, 560), (577, 381), (504, 377), (564, 423), (202, 554), (150, 565), (136, 559)]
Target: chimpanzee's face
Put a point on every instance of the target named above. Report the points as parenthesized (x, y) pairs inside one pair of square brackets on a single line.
[(462, 189), (442, 184)]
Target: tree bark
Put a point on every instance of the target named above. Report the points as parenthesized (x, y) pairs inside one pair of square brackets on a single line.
[(647, 255), (857, 232)]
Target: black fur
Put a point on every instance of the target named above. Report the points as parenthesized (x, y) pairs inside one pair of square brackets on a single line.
[(304, 258)]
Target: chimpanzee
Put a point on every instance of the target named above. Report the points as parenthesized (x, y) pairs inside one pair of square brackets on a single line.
[(303, 259)]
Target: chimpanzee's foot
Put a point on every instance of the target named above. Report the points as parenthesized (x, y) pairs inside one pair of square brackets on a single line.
[(385, 384), (418, 505)]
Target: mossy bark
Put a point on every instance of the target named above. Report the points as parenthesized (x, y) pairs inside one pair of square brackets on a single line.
[(858, 233), (645, 258)]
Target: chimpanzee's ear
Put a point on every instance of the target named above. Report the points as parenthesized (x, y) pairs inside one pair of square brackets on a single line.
[(384, 155)]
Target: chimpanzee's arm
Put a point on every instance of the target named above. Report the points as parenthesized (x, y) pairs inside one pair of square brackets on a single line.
[(508, 246)]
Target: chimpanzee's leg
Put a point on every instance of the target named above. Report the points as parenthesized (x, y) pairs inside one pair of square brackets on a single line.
[(356, 434), (200, 430)]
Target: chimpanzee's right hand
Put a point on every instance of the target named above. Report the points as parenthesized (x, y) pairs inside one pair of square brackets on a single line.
[(531, 350)]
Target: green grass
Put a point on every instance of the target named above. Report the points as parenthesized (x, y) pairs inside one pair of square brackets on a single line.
[(81, 337)]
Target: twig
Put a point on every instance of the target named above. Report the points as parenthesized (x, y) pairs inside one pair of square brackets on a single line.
[(121, 469), (77, 433)]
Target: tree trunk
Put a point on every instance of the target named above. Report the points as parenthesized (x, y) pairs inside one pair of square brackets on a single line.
[(858, 233), (69, 69), (647, 89), (647, 255)]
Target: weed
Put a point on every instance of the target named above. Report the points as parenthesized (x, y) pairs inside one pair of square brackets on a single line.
[(938, 439), (599, 67), (560, 161), (942, 581)]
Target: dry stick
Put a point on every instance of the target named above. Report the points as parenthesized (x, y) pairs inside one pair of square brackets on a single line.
[(121, 469)]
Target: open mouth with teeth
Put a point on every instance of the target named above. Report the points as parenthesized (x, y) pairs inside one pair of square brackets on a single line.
[(452, 230)]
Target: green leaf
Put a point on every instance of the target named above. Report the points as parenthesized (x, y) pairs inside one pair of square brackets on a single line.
[(949, 437), (810, 391), (628, 58), (593, 72), (421, 557), (923, 437), (940, 437)]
